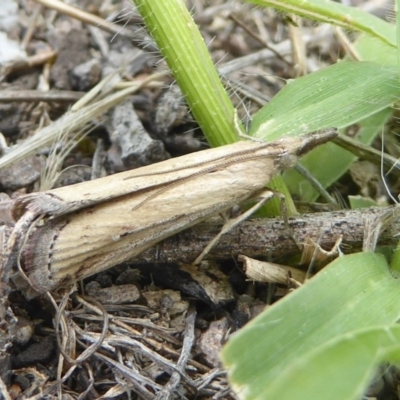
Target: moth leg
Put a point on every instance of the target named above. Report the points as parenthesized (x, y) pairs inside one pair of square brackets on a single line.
[(316, 185), (224, 216), (285, 216), (264, 196)]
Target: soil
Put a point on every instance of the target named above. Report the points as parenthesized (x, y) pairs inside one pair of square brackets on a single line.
[(136, 331)]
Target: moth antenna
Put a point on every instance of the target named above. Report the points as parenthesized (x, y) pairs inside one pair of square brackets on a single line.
[(382, 170)]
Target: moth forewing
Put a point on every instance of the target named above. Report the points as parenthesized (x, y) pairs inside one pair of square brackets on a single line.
[(122, 215), (75, 197), (97, 237)]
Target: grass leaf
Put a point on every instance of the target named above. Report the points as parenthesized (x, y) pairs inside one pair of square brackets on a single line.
[(337, 14), (347, 363), (348, 295), (336, 96), (186, 54)]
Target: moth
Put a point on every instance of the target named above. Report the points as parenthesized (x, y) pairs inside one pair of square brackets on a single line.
[(69, 233)]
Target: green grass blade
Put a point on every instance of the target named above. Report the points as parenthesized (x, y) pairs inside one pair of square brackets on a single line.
[(348, 295), (186, 54), (359, 201), (337, 14), (397, 10), (372, 49), (340, 369), (395, 263), (336, 96)]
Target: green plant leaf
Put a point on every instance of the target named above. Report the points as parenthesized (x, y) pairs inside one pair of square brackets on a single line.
[(186, 54), (337, 14), (361, 202), (336, 96), (396, 9), (347, 364), (354, 292), (372, 49)]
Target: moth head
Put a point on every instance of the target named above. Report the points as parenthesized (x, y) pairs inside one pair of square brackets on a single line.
[(291, 149), (287, 160)]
